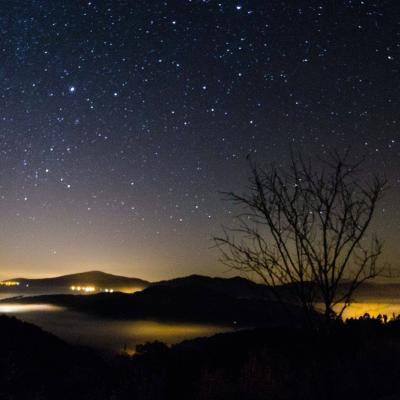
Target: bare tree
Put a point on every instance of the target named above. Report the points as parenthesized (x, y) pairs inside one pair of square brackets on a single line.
[(305, 228)]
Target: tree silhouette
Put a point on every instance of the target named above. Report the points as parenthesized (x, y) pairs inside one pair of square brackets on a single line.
[(303, 231)]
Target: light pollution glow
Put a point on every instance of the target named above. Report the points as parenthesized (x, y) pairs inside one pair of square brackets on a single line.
[(356, 310), (13, 308)]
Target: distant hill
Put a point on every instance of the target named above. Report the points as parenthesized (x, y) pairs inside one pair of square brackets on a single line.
[(237, 286), (379, 292), (244, 288), (62, 284), (368, 292)]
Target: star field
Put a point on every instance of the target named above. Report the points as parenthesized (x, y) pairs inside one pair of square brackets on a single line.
[(121, 121)]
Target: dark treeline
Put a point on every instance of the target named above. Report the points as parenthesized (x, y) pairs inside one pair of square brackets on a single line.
[(355, 360)]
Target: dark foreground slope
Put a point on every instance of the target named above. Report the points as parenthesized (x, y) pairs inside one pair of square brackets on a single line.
[(359, 360), (37, 365)]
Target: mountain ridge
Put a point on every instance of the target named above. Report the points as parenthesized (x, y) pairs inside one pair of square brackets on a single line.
[(63, 283), (236, 286)]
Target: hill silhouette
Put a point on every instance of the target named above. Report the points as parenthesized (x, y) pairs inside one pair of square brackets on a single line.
[(37, 364), (236, 286), (195, 298), (62, 284)]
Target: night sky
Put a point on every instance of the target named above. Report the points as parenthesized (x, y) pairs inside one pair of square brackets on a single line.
[(120, 121)]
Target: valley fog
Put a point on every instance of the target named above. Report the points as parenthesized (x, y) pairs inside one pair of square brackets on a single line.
[(106, 334)]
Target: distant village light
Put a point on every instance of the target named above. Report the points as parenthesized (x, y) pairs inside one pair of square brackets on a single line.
[(86, 289), (9, 283)]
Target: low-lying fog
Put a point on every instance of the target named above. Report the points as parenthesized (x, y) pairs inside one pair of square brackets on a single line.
[(107, 334)]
